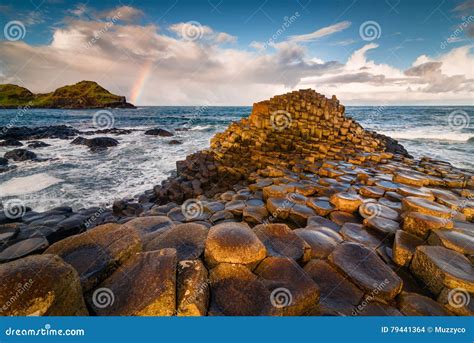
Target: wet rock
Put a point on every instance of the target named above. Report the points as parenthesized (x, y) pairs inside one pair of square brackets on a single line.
[(425, 206), (96, 253), (340, 218), (317, 221), (404, 247), (148, 227), (40, 286), (321, 244), (19, 155), (321, 207), (11, 142), (96, 143), (412, 304), (22, 248), (421, 224), (439, 267), (236, 291), (358, 234), (347, 202), (3, 162), (254, 214), (366, 270), (188, 240), (233, 243), (294, 293), (174, 142), (192, 288), (37, 144), (453, 240), (280, 240), (145, 285), (221, 216), (386, 227), (158, 132), (337, 293)]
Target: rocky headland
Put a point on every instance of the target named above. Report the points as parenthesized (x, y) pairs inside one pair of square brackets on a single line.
[(296, 210), (82, 95)]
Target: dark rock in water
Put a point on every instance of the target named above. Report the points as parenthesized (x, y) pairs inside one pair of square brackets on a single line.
[(41, 132), (174, 142), (11, 142), (7, 233), (3, 161), (113, 130), (145, 285), (4, 169), (41, 286), (158, 132), (182, 129), (24, 248), (37, 144), (20, 155), (97, 143)]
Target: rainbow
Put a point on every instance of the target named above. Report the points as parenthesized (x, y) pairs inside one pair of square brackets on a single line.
[(143, 75)]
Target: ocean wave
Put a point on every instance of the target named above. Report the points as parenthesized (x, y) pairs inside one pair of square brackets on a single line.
[(432, 135), (28, 184)]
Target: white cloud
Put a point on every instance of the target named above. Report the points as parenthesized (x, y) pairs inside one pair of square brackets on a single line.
[(325, 31), (175, 70)]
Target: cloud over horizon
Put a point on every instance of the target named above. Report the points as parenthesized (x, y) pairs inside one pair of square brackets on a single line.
[(190, 63)]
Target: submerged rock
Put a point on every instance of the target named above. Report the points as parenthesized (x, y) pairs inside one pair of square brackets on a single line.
[(158, 132), (20, 155)]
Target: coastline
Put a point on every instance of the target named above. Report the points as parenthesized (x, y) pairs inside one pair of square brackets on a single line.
[(306, 188)]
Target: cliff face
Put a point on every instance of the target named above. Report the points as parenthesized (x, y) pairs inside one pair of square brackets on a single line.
[(293, 131), (82, 95)]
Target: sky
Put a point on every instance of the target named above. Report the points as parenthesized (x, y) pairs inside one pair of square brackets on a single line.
[(230, 52)]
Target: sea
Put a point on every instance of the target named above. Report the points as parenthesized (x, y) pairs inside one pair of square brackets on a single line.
[(71, 175)]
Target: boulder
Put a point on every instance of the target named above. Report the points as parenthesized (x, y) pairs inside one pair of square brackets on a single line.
[(96, 253), (404, 247), (188, 240), (412, 304), (40, 286), (37, 144), (24, 247), (236, 291), (421, 224), (280, 240), (192, 288), (145, 285), (149, 227), (158, 132), (337, 292), (366, 270), (20, 155), (439, 267), (321, 244), (293, 292), (233, 243)]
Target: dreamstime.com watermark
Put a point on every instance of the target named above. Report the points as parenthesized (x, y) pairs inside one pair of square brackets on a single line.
[(287, 22), (98, 34), (45, 331), (370, 297), (20, 289), (466, 21)]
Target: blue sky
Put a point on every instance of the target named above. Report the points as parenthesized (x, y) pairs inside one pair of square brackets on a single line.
[(408, 33)]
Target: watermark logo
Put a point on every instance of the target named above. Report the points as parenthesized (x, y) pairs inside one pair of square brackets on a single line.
[(103, 119), (370, 30), (281, 297), (192, 31), (14, 208), (192, 209), (14, 30), (458, 297), (103, 297), (458, 120), (370, 210), (280, 120)]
